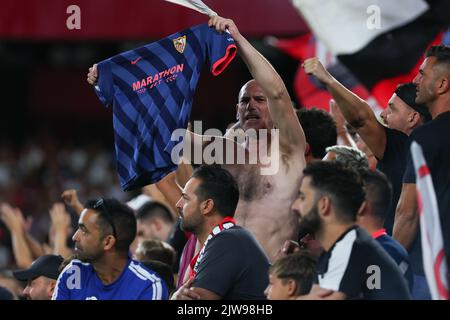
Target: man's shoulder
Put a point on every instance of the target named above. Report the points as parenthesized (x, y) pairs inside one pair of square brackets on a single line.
[(393, 247), (395, 136), (142, 274), (235, 237), (234, 233), (76, 264)]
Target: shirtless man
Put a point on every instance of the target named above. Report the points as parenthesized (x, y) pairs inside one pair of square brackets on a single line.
[(264, 103)]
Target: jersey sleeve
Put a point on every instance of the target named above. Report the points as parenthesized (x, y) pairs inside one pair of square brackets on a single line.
[(221, 50), (61, 291), (104, 87), (220, 265), (156, 291)]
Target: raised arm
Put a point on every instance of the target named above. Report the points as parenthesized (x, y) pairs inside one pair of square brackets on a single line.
[(279, 102), (13, 220), (356, 111), (61, 222)]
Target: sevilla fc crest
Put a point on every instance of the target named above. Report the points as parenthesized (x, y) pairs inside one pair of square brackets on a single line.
[(180, 44)]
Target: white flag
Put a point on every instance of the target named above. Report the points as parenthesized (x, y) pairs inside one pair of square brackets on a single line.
[(345, 26), (433, 253), (196, 5)]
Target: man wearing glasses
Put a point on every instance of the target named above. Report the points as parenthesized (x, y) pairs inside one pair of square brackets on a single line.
[(102, 268)]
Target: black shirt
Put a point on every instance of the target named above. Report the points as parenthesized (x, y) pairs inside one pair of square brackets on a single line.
[(234, 266), (358, 266), (434, 138), (393, 166)]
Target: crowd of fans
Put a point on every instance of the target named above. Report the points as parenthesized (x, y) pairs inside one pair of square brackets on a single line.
[(327, 225)]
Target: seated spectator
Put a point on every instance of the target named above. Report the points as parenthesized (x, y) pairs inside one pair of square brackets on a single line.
[(291, 276), (102, 267), (231, 264), (154, 221), (353, 265), (155, 250), (373, 214), (40, 277)]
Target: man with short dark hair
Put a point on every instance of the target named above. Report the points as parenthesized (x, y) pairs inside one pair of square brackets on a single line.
[(291, 276), (433, 90), (154, 222), (320, 132), (231, 264), (353, 265), (371, 218), (102, 268), (40, 277)]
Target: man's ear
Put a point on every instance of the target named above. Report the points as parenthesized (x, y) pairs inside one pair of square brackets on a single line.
[(307, 149), (414, 119), (324, 206), (51, 288), (207, 206), (363, 210), (443, 85), (109, 242), (292, 287)]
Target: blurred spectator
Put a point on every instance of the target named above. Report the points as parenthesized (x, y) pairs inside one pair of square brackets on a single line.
[(154, 221), (40, 277), (155, 250), (34, 174), (5, 294)]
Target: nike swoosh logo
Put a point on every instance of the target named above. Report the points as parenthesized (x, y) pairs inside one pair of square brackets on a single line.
[(136, 61)]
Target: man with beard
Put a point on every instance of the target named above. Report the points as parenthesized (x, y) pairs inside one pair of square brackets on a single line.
[(231, 264), (353, 265), (102, 268)]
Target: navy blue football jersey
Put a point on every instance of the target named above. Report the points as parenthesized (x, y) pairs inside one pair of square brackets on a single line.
[(151, 89)]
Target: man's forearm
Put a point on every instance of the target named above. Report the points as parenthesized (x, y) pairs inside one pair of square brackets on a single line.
[(21, 250), (35, 247), (355, 110), (261, 69), (405, 231), (406, 216)]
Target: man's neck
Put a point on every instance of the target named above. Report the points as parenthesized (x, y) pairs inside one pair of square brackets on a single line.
[(439, 106), (331, 233), (110, 267), (371, 225), (208, 226)]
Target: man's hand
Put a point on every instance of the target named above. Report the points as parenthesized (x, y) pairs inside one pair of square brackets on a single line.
[(70, 198), (185, 292), (12, 218), (314, 67), (92, 76), (60, 217), (336, 113), (317, 293), (221, 24)]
